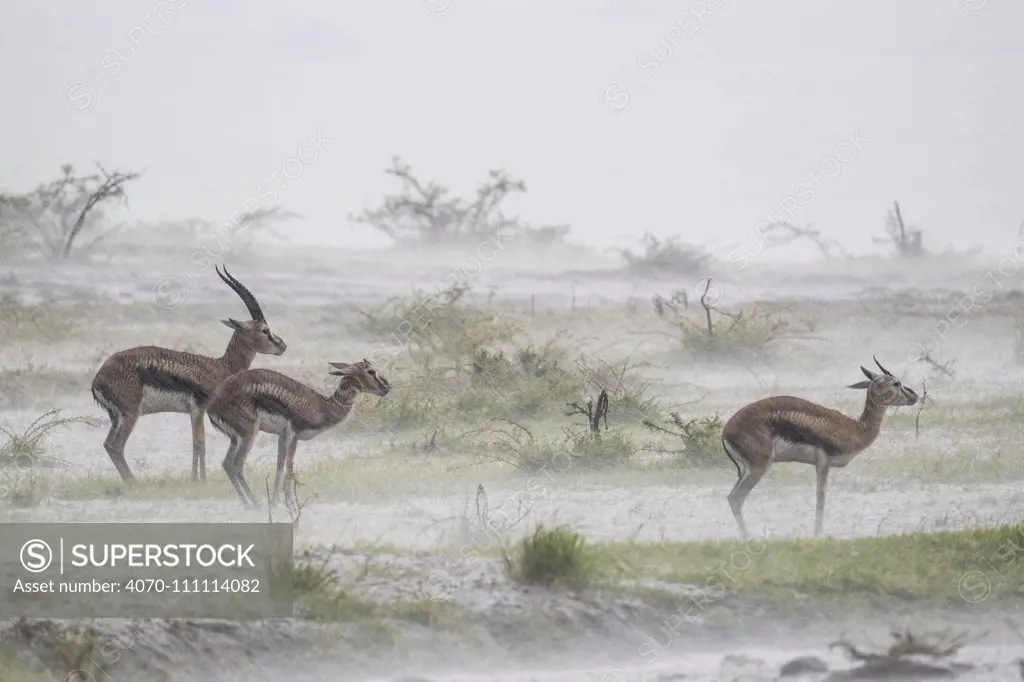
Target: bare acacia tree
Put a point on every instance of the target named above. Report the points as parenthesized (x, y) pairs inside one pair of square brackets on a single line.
[(426, 213), (781, 233), (217, 239), (56, 214), (906, 239)]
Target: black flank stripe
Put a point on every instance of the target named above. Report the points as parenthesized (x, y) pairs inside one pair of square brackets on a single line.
[(272, 405), (163, 381), (795, 433)]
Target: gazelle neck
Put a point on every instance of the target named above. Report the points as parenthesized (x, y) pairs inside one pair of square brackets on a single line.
[(340, 402), (239, 354), (871, 417)]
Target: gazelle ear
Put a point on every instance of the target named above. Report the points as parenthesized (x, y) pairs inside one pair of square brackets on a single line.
[(868, 373), (340, 368), (234, 324), (860, 385)]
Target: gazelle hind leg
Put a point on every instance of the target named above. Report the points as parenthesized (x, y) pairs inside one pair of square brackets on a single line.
[(120, 430), (747, 477), (245, 444), (229, 463)]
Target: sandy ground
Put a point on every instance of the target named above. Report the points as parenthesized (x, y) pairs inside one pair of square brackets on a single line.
[(413, 516), (651, 513)]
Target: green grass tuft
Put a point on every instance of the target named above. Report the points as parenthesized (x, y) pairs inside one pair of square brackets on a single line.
[(966, 567), (555, 557)]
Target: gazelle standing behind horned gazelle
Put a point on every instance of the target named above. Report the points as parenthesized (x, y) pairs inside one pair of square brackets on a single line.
[(263, 400), (788, 429), (149, 379)]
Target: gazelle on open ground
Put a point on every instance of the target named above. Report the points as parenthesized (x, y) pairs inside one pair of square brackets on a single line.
[(149, 380), (263, 400), (788, 429)]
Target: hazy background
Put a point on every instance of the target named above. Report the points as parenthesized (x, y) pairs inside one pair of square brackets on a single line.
[(739, 113)]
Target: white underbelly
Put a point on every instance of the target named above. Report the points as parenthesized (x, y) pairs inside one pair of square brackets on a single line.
[(786, 451), (840, 460), (155, 400), (309, 434), (270, 422)]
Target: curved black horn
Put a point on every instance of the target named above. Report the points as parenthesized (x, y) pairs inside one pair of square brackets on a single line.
[(247, 298), (884, 370)]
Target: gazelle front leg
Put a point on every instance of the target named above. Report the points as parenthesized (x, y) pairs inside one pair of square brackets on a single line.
[(289, 472), (198, 444), (285, 457), (821, 465), (282, 456)]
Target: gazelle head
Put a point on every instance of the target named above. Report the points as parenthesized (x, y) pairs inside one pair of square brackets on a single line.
[(363, 376), (256, 332), (885, 389)]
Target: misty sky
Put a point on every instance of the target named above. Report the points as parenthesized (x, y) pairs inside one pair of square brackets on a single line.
[(750, 99)]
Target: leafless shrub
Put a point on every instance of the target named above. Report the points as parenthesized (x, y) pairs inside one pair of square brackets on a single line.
[(906, 240), (782, 233), (594, 415), (426, 214), (701, 438), (53, 216), (908, 655), (662, 305), (665, 256)]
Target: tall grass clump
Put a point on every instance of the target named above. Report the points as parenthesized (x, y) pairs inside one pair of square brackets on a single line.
[(320, 594), (577, 450), (553, 557), (28, 448), (443, 327)]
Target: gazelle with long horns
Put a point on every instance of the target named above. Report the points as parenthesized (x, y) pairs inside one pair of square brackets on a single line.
[(789, 429), (263, 400), (150, 379)]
